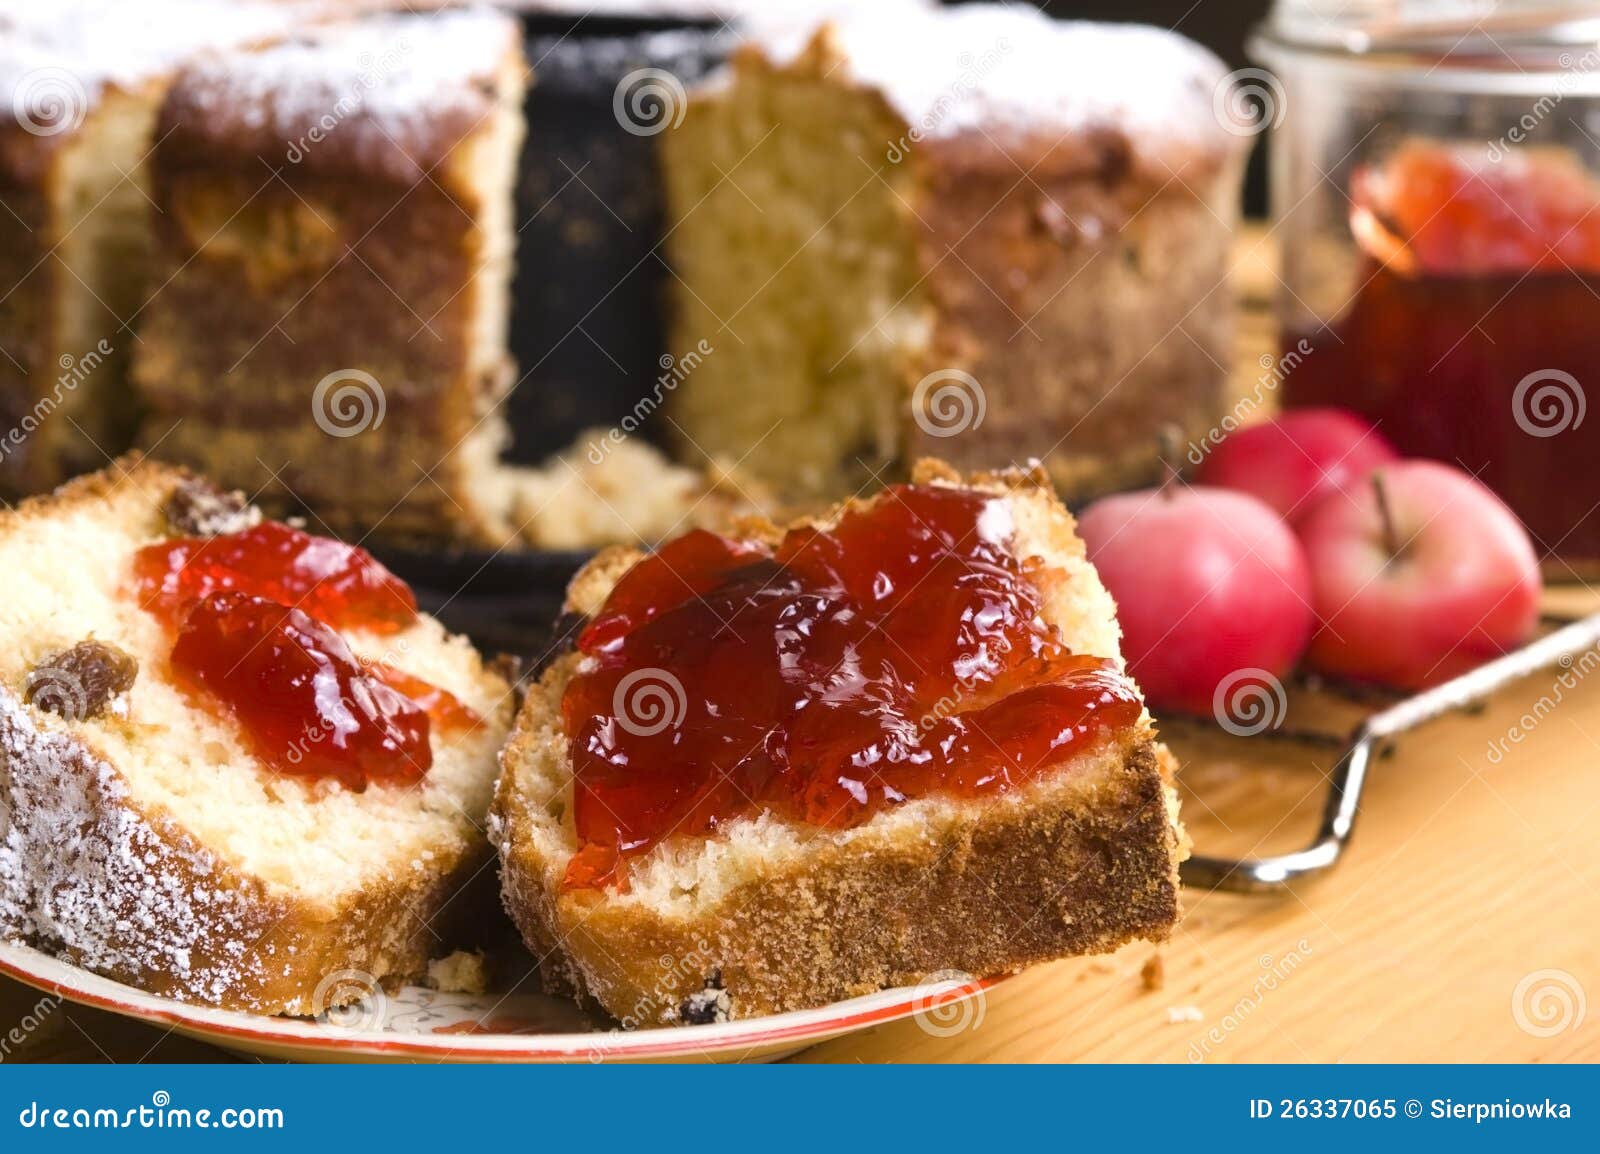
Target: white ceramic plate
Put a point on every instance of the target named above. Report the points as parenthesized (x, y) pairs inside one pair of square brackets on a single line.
[(421, 1025)]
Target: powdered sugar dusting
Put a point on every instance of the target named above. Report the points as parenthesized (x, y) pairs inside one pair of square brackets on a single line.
[(126, 42), (397, 73), (989, 67), (81, 870)]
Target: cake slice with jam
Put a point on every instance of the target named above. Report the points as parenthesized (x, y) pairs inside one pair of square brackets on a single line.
[(788, 767), (235, 761)]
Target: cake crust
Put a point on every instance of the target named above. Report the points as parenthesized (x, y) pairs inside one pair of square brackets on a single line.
[(1068, 868), (91, 875), (81, 80), (334, 243)]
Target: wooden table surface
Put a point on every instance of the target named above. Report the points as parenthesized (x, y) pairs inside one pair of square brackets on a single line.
[(1464, 924)]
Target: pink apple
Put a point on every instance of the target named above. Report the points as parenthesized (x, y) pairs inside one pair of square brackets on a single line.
[(1443, 581), (1294, 460), (1208, 583)]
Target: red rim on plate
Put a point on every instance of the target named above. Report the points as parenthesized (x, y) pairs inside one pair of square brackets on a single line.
[(235, 1029)]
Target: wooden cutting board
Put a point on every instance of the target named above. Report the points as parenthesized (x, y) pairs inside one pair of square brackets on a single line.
[(1464, 924)]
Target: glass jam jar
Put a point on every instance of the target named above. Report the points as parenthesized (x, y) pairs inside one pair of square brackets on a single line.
[(1435, 182)]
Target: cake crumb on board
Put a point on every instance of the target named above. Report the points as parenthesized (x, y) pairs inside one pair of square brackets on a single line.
[(461, 972), (1153, 973)]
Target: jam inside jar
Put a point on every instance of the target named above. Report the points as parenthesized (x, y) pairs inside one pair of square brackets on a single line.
[(1474, 327), (897, 654)]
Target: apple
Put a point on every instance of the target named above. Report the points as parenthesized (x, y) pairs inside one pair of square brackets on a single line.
[(1417, 575), (1209, 584), (1294, 460)]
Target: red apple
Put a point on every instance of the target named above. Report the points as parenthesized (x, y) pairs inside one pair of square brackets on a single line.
[(1293, 461), (1209, 584), (1418, 575)]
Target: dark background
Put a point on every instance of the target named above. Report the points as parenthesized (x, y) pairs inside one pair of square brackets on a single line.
[(1220, 25)]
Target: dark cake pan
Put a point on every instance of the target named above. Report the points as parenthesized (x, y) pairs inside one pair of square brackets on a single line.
[(587, 324), (588, 298)]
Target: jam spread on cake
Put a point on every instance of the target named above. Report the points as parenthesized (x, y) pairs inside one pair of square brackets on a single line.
[(303, 699), (256, 616), (342, 585), (442, 707), (1475, 317), (898, 654)]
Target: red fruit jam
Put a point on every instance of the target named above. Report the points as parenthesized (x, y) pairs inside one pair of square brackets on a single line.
[(1475, 327), (442, 707), (341, 585), (257, 615), (897, 655), (299, 693)]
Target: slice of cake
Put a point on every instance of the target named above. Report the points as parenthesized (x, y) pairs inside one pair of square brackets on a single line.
[(785, 768), (334, 241), (234, 759), (974, 232), (80, 84)]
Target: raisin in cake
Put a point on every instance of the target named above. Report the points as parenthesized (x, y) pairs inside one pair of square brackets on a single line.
[(334, 238), (234, 759), (974, 232), (80, 85), (785, 768)]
